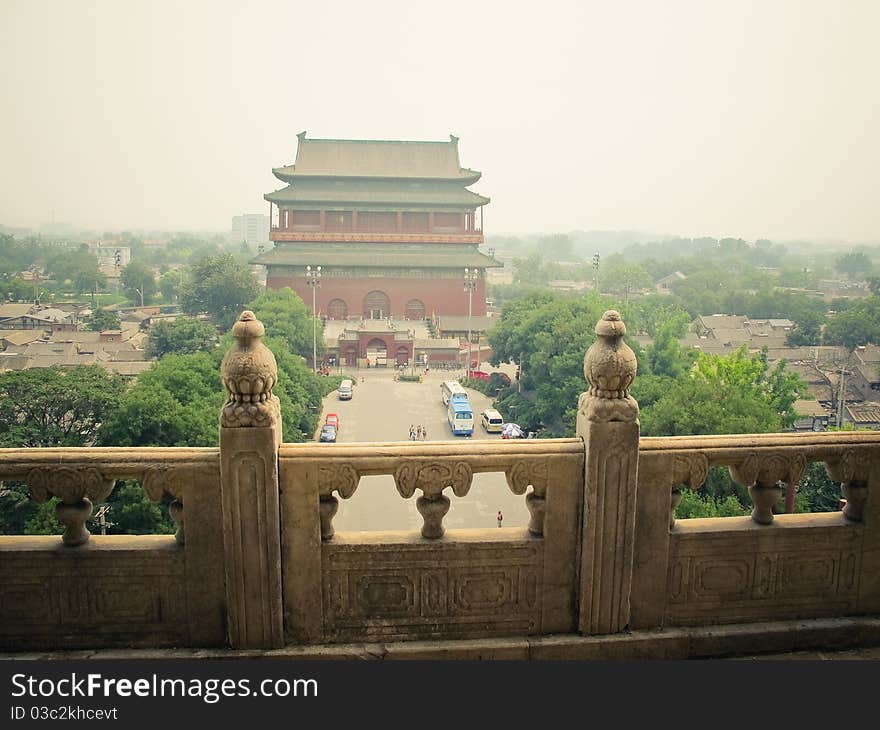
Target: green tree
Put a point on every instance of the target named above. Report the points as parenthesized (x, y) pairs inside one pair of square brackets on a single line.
[(169, 284), (853, 264), (55, 407), (103, 319), (287, 317), (695, 504), (138, 279), (807, 330), (174, 403), (133, 513), (736, 393), (219, 286), (182, 336), (78, 267), (857, 325)]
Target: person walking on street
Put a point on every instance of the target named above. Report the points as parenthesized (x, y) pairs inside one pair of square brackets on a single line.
[(412, 433), (424, 434), (419, 432), (500, 518)]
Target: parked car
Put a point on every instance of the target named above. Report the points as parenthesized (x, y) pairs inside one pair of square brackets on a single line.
[(328, 433), (332, 420), (478, 375)]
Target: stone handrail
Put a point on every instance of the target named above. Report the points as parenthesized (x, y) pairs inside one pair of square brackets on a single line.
[(259, 564), (762, 463), (431, 468), (80, 477)]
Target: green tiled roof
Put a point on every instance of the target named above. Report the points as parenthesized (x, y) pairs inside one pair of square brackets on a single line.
[(452, 256), (377, 159), (377, 192)]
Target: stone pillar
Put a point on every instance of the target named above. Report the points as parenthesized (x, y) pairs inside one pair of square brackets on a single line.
[(250, 434), (608, 422)]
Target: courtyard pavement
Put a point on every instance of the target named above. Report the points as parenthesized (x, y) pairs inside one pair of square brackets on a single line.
[(382, 410)]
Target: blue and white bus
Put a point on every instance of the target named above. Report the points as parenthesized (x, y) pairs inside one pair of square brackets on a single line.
[(461, 417), (452, 390)]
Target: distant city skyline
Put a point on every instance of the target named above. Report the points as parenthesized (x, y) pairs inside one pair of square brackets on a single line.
[(743, 118)]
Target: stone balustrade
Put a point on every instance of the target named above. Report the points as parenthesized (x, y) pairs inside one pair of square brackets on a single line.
[(257, 564)]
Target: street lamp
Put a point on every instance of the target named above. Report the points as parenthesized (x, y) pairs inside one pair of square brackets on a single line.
[(470, 283), (313, 279)]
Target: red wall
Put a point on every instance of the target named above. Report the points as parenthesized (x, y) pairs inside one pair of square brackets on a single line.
[(441, 296)]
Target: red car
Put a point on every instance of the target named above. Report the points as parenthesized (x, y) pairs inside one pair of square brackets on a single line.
[(332, 420), (478, 374)]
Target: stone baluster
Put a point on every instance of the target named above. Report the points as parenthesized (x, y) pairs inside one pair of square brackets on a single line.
[(608, 422), (166, 481), (432, 478), (852, 469), (78, 489), (535, 474), (250, 434), (342, 478), (766, 476), (689, 470)]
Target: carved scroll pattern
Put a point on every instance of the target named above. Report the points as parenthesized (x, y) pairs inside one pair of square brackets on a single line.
[(688, 470), (851, 468), (764, 475), (535, 474), (341, 478), (432, 478), (77, 488), (166, 481)]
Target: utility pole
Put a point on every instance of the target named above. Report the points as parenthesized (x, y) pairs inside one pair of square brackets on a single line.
[(470, 283), (596, 271), (313, 279)]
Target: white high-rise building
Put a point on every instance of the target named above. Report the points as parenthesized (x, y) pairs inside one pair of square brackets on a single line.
[(252, 228)]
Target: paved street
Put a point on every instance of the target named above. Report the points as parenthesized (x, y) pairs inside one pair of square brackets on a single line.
[(382, 410)]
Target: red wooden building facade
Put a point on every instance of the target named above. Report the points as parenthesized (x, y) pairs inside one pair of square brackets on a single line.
[(391, 224)]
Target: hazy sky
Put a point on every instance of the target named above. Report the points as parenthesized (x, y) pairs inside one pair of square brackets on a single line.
[(716, 117)]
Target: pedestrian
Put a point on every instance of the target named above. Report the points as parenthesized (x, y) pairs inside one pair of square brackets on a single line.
[(424, 434), (412, 432), (500, 518), (419, 432)]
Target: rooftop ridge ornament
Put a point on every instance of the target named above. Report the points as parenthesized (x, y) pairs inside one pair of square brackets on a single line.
[(609, 367), (249, 373)]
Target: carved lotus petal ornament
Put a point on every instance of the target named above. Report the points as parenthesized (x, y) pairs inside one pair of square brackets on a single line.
[(609, 366), (432, 478), (165, 480), (249, 373)]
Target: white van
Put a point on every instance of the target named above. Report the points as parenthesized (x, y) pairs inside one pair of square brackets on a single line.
[(345, 390), (491, 420)]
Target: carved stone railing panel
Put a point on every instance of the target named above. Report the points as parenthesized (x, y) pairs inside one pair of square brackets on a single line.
[(534, 474), (81, 477), (766, 476), (851, 468), (432, 477), (689, 470), (334, 477), (77, 488)]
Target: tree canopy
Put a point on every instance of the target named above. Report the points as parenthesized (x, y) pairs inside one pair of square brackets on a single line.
[(286, 317), (137, 278), (181, 336), (55, 407), (219, 286)]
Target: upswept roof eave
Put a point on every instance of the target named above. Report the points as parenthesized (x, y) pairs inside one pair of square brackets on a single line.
[(276, 196)]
